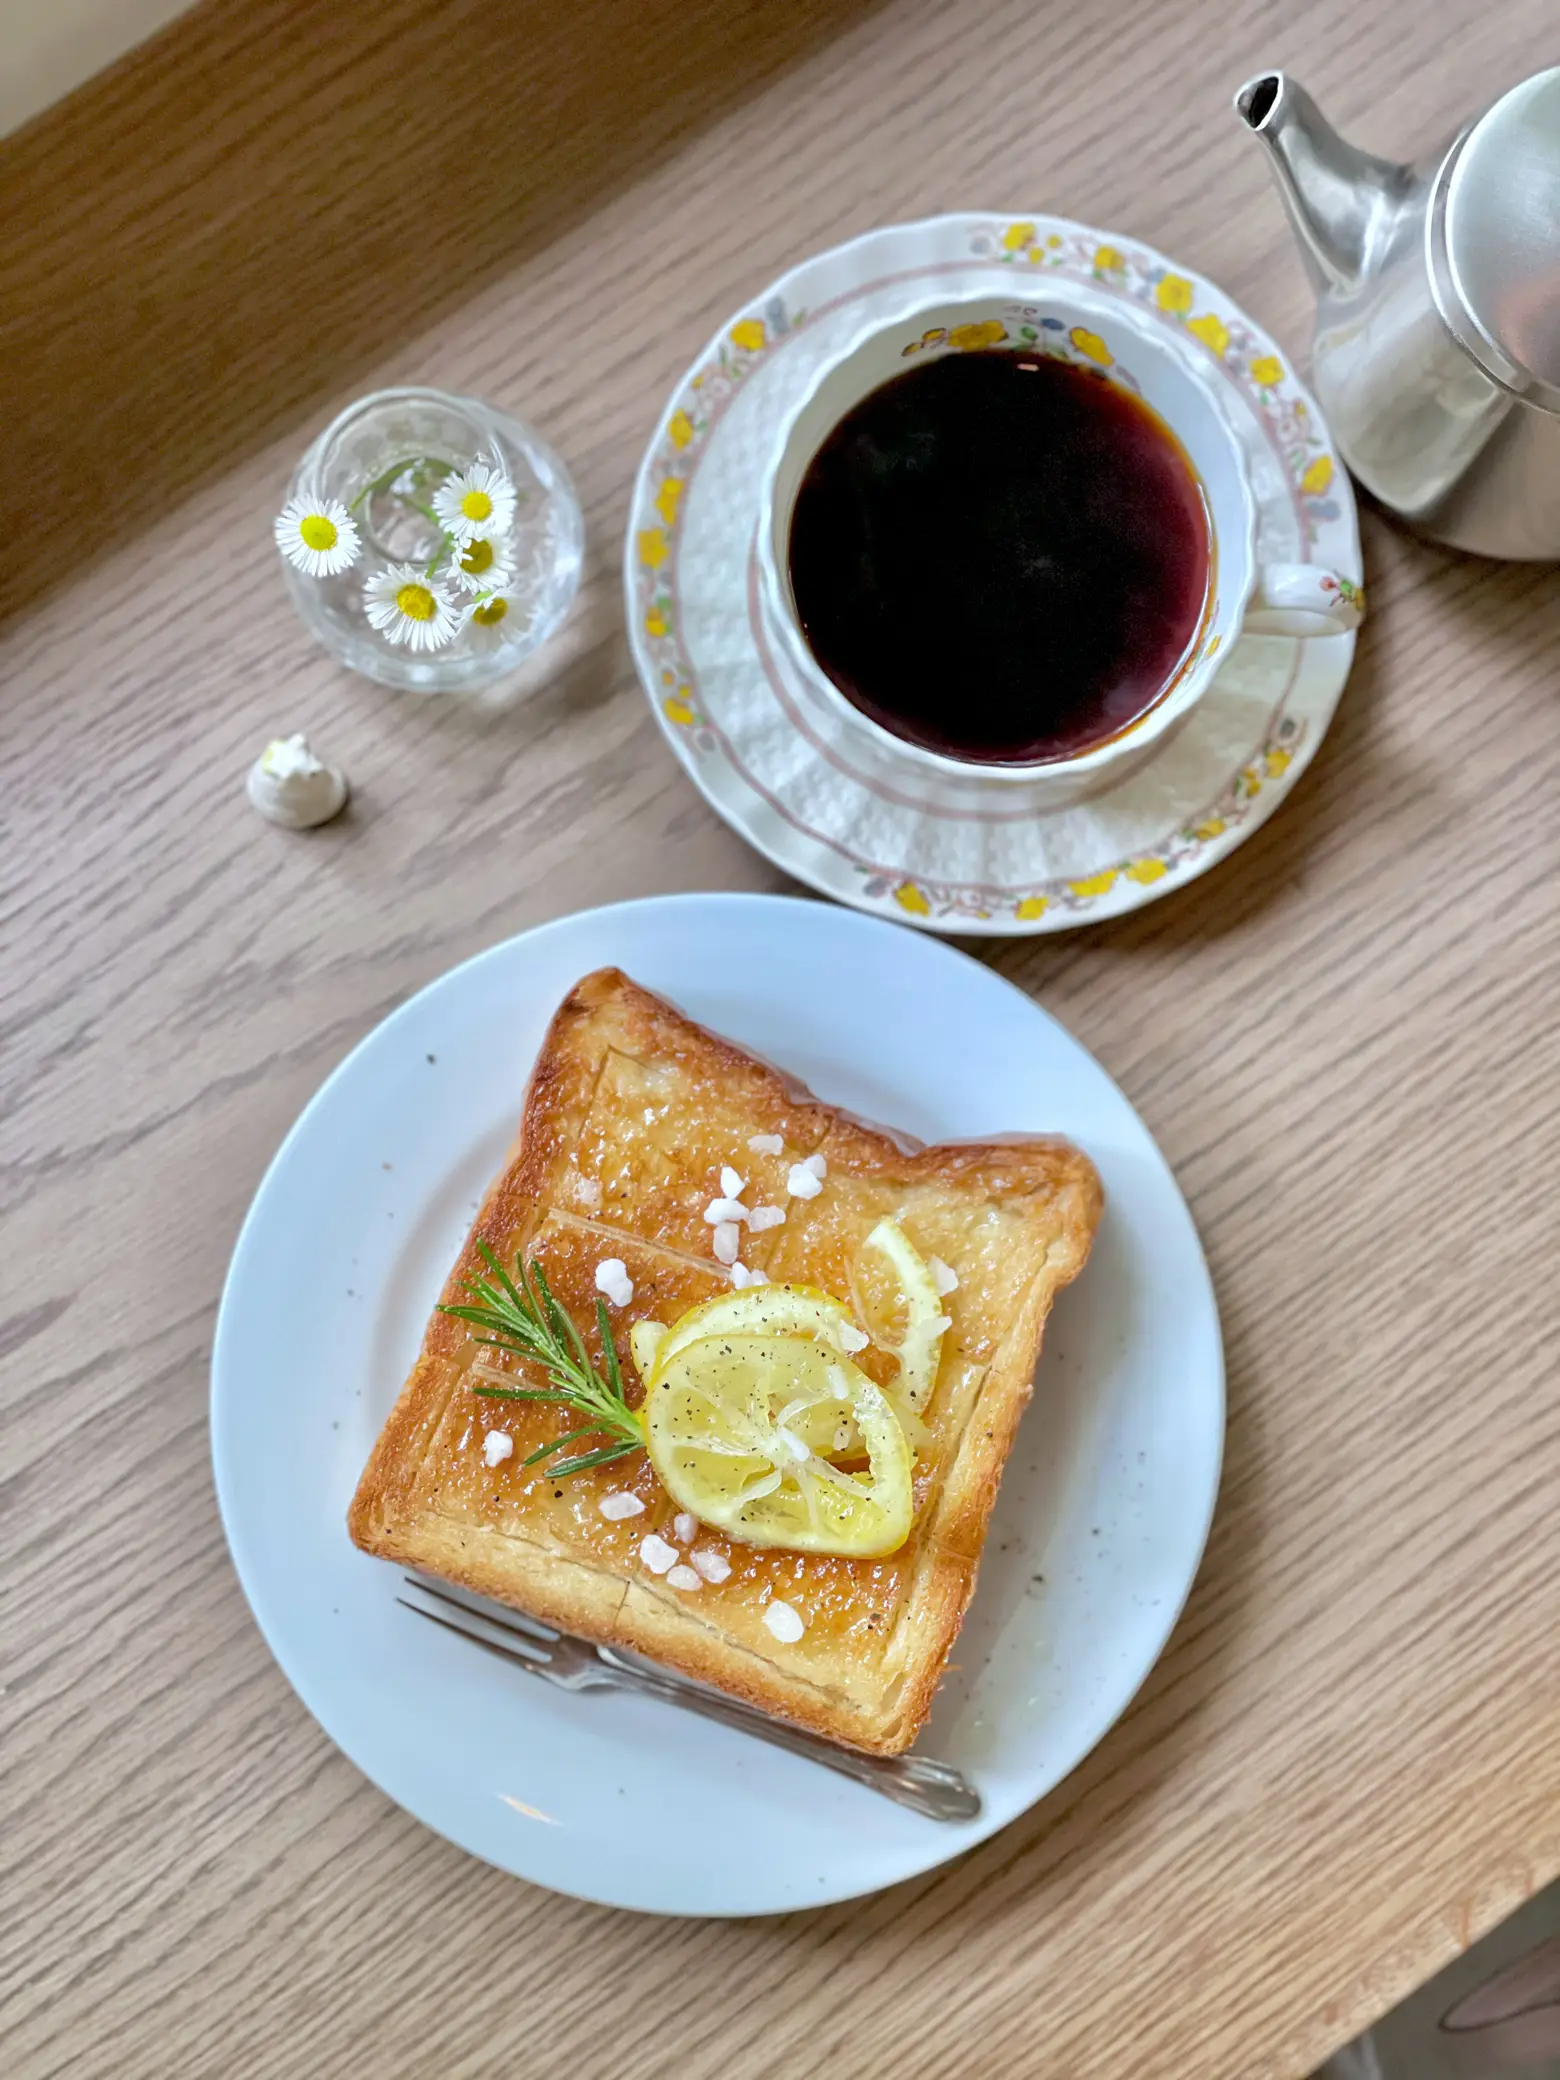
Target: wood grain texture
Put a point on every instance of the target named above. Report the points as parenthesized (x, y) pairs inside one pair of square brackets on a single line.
[(1346, 1765)]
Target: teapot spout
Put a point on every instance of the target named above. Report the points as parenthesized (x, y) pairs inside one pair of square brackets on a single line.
[(1340, 200)]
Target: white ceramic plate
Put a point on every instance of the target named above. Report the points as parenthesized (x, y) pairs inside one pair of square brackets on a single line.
[(856, 821), (1103, 1510)]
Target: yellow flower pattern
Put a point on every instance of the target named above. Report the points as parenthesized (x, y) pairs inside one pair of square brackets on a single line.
[(666, 499), (680, 429), (679, 710), (1018, 238), (1107, 260), (656, 623), (1031, 908), (1174, 293), (1267, 371), (1095, 884), (653, 550), (984, 334), (910, 898), (1211, 827), (1318, 475), (1212, 331), (927, 339), (1277, 763), (1143, 871), (1091, 346), (748, 334)]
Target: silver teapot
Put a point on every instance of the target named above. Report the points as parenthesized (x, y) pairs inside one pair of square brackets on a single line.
[(1437, 354)]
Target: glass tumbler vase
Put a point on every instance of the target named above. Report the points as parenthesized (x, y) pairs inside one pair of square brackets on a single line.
[(382, 458)]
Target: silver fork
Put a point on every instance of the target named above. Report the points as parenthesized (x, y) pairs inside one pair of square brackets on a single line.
[(933, 1789)]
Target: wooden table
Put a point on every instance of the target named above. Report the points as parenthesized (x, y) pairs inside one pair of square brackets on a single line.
[(1346, 1765)]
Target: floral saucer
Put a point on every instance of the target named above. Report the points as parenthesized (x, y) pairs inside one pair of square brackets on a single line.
[(868, 828)]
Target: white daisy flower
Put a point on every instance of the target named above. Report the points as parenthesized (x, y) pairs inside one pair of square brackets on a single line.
[(409, 607), (475, 501), (493, 615), (318, 536), (480, 565)]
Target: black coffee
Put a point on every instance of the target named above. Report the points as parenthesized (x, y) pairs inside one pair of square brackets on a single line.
[(1000, 557)]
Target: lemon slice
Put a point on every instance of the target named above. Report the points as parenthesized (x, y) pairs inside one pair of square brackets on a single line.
[(795, 1311), (644, 1340), (733, 1423), (919, 1344), (760, 1311)]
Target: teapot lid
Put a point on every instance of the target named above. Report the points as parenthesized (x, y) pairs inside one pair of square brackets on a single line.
[(1495, 240)]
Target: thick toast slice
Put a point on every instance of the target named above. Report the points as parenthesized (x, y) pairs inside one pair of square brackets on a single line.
[(631, 1114)]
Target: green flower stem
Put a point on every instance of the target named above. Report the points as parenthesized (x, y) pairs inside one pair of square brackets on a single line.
[(419, 467), (417, 463)]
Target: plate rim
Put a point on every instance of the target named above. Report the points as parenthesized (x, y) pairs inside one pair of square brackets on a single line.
[(944, 1843)]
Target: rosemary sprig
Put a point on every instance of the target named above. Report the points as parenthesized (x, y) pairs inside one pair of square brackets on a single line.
[(528, 1319)]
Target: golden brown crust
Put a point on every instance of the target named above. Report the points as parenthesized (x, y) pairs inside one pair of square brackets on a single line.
[(631, 1111)]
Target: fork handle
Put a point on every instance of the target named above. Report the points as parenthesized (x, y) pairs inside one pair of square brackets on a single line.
[(935, 1790)]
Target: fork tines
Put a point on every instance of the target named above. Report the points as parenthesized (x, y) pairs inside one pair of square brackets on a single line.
[(526, 1638)]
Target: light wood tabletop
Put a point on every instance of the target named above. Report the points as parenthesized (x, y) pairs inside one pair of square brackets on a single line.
[(1346, 1764)]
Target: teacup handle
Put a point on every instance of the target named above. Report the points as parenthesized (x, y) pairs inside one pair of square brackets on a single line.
[(1303, 599)]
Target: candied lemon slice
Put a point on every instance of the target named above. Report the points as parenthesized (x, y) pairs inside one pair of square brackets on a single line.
[(762, 1311), (644, 1340), (734, 1422), (919, 1323), (796, 1311)]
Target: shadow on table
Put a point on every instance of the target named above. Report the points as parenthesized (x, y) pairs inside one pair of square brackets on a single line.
[(255, 205)]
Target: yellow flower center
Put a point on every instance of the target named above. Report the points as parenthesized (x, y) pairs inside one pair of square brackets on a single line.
[(490, 611), (316, 532), (415, 602), (477, 557), (476, 505)]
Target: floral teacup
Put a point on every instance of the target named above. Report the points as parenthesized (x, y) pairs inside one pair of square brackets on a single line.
[(1285, 599)]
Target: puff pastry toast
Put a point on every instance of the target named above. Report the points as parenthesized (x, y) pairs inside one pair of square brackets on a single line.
[(631, 1114)]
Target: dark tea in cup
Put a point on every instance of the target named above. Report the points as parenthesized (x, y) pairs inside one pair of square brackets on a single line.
[(1001, 556)]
